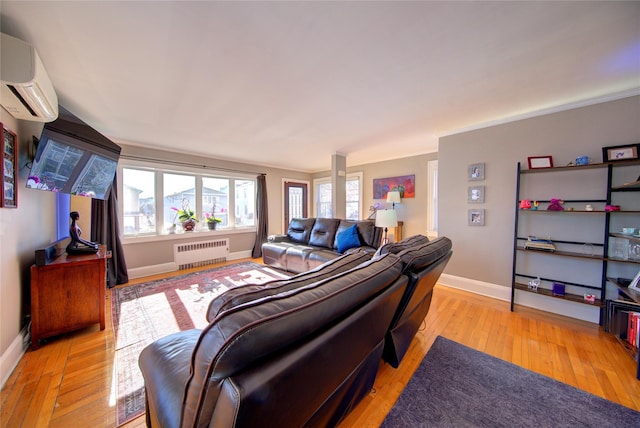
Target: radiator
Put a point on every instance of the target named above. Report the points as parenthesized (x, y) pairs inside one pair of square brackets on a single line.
[(194, 254)]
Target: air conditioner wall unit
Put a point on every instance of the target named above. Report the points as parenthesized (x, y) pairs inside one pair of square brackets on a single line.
[(26, 91)]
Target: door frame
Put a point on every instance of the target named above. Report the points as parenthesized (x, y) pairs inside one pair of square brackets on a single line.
[(284, 198)]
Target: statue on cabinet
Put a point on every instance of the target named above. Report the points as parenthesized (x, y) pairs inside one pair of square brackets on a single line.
[(77, 244)]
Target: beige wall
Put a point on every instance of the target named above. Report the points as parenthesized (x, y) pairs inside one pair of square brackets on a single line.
[(412, 211), (22, 231), (485, 253)]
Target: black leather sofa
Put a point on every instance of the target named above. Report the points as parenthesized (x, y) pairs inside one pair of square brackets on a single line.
[(310, 242), (301, 352)]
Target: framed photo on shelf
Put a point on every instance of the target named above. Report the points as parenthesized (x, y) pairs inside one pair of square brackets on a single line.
[(8, 168), (475, 194), (635, 282), (537, 162), (476, 172), (620, 153), (476, 217)]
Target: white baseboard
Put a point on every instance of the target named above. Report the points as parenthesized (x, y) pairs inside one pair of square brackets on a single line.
[(10, 359), (557, 306), (172, 267), (151, 270), (478, 287)]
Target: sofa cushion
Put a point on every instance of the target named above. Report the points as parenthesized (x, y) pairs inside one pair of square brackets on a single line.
[(396, 247), (420, 256), (348, 239), (246, 293), (323, 232), (300, 229), (366, 231)]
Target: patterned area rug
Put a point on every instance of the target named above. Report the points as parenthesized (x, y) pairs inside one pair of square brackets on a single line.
[(456, 386), (145, 312)]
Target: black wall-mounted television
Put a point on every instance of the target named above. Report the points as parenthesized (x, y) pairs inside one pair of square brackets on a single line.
[(74, 158)]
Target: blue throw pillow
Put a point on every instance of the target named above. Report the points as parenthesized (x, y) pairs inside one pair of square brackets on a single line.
[(348, 238)]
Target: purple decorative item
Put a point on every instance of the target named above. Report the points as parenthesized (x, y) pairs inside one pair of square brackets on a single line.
[(555, 205), (558, 289)]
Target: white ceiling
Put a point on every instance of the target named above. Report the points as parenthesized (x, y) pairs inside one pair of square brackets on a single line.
[(288, 84)]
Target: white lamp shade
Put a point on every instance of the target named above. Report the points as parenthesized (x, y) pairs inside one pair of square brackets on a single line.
[(386, 218), (393, 196)]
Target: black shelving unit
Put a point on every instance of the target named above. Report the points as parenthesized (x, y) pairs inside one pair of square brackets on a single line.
[(610, 308)]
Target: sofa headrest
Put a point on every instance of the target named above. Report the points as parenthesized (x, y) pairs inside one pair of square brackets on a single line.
[(324, 232), (246, 293), (396, 247), (422, 255), (300, 229)]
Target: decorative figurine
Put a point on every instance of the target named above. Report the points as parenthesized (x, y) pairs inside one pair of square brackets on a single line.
[(525, 204), (558, 289), (556, 205), (533, 284), (77, 244), (588, 207), (535, 205)]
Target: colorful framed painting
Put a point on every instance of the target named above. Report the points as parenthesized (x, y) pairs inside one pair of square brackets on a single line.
[(8, 168), (405, 184)]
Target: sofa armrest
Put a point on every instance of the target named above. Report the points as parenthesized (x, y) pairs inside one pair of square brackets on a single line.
[(277, 238)]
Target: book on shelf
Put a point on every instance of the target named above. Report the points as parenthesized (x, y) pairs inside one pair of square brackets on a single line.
[(633, 329)]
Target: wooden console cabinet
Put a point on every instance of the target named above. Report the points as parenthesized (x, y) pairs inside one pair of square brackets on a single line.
[(68, 294)]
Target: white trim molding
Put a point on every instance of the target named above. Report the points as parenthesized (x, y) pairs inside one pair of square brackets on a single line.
[(12, 356), (567, 308)]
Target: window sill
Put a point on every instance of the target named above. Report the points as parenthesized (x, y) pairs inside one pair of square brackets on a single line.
[(180, 236)]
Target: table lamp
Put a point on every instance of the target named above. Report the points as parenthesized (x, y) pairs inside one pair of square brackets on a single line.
[(386, 219)]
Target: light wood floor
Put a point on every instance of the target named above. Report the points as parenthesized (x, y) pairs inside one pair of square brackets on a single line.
[(68, 382)]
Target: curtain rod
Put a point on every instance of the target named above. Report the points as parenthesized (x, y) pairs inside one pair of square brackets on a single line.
[(189, 164)]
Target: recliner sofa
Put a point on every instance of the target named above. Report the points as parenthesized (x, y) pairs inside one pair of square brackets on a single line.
[(310, 242), (301, 352)]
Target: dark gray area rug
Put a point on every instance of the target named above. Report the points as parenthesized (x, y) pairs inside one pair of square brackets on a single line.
[(456, 386)]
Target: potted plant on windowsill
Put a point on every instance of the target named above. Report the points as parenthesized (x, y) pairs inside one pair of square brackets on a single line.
[(186, 216), (212, 221)]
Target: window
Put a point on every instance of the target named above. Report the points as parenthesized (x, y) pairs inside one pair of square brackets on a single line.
[(215, 198), (138, 201), (151, 196), (245, 202), (178, 192), (323, 197)]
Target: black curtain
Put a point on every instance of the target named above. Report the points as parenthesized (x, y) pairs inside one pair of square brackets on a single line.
[(262, 214), (104, 230)]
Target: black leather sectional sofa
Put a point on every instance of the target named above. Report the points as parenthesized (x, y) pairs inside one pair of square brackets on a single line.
[(310, 242), (300, 352)]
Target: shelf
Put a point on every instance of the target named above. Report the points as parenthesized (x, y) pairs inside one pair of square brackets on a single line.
[(568, 296), (623, 236), (634, 186), (562, 253), (582, 167)]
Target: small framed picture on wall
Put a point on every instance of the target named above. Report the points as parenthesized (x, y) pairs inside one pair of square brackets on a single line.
[(476, 217), (475, 172), (475, 194)]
